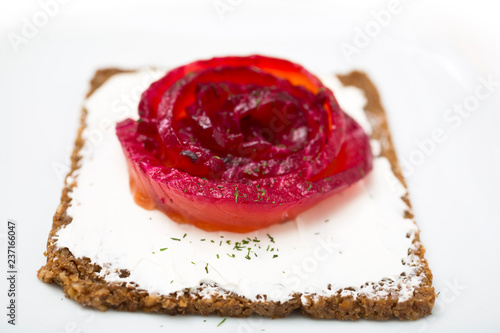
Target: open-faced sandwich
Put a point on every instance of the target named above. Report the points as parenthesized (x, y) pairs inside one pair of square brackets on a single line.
[(237, 185)]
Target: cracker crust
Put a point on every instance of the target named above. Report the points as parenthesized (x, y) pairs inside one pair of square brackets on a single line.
[(81, 282)]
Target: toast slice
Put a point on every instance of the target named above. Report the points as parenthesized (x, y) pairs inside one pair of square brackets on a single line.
[(409, 296)]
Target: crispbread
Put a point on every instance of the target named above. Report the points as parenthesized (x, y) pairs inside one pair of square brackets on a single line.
[(81, 282)]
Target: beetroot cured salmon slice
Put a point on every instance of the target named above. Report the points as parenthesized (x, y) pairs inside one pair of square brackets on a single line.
[(240, 143)]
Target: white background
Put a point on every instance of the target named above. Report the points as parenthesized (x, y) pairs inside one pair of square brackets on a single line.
[(427, 58)]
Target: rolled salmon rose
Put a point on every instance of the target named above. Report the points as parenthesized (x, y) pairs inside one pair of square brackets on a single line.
[(240, 143)]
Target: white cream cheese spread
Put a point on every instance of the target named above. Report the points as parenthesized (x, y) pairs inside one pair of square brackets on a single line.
[(349, 239)]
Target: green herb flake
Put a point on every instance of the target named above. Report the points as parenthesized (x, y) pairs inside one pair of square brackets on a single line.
[(275, 256), (206, 268), (259, 99), (175, 239), (237, 246), (248, 254), (270, 238), (163, 249), (222, 322), (184, 236)]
